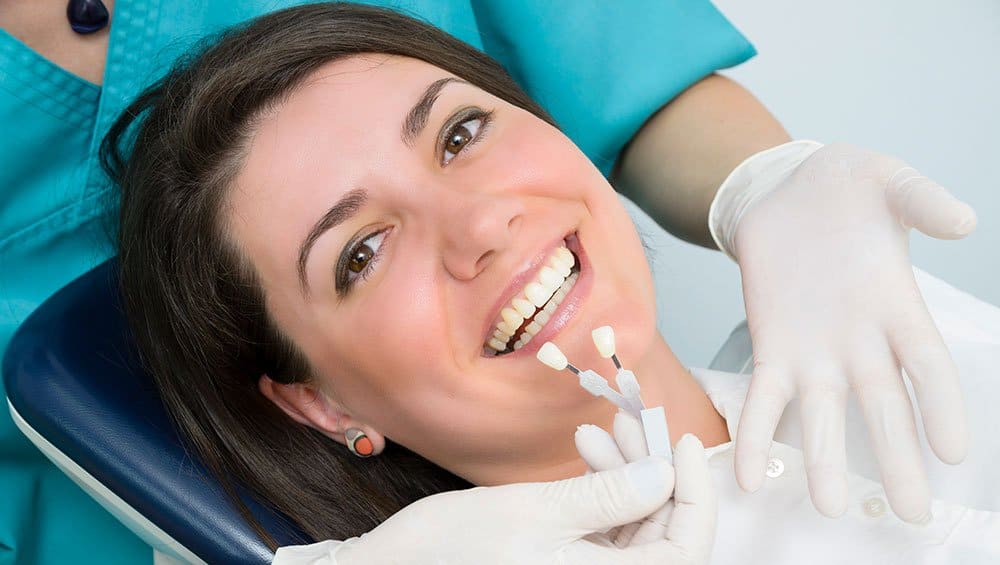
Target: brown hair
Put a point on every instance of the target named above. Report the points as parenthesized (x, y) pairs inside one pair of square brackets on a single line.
[(195, 304)]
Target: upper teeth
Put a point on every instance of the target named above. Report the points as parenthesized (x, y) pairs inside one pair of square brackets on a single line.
[(553, 281)]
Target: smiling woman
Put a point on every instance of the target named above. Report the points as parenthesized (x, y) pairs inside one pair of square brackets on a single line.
[(339, 219)]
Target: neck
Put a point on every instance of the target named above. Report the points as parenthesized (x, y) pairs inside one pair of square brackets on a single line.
[(664, 382)]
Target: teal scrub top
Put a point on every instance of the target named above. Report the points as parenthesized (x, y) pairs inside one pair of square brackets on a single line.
[(600, 68)]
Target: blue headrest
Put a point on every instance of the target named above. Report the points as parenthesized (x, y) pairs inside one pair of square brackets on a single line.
[(71, 372)]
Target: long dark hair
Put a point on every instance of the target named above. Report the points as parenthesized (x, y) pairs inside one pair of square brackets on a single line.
[(195, 303)]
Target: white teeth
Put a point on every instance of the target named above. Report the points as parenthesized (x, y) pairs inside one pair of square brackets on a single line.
[(533, 328), (562, 269), (539, 301), (538, 294), (523, 307), (512, 318), (504, 328), (550, 279), (566, 255)]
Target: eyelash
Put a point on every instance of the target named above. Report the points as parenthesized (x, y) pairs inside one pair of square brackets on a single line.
[(344, 284)]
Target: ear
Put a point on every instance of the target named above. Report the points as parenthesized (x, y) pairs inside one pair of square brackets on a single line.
[(309, 406)]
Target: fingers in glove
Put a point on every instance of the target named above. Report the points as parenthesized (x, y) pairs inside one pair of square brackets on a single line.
[(924, 204), (652, 528), (692, 521), (603, 500), (919, 347), (630, 437), (625, 534), (891, 426), (631, 441), (769, 393), (662, 551), (823, 407), (598, 448)]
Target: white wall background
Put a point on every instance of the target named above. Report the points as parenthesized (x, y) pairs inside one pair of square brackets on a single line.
[(918, 79)]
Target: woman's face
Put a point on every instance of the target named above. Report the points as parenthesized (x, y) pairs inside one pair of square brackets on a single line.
[(393, 212)]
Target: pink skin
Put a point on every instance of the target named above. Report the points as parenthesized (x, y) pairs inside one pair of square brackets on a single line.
[(400, 355)]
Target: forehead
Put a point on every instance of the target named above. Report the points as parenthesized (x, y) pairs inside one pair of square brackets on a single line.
[(341, 125), (356, 98)]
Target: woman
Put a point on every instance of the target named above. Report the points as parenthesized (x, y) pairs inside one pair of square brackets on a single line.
[(60, 91), (349, 245)]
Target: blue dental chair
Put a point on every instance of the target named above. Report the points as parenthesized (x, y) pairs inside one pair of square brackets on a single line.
[(76, 389)]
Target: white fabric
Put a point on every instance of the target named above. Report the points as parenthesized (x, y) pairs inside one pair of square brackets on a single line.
[(778, 523), (319, 553)]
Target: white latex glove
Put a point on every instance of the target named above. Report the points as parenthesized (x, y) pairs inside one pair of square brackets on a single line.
[(555, 522), (821, 236), (688, 519)]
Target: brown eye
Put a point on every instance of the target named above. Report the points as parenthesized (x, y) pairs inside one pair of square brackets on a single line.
[(358, 261), (360, 258), (460, 136)]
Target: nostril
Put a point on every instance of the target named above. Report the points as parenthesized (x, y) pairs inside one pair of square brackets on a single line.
[(483, 261), (516, 220)]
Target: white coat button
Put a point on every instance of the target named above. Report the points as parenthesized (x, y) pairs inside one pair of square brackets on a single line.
[(874, 507), (775, 467)]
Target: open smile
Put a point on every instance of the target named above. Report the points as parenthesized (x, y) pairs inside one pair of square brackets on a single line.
[(545, 304)]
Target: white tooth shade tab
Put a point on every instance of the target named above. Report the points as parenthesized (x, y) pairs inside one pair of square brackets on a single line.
[(604, 339), (552, 356)]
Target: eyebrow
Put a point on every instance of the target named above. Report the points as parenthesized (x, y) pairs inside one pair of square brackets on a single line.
[(343, 210), (416, 119)]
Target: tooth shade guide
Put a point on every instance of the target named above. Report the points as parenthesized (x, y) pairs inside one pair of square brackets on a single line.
[(604, 340)]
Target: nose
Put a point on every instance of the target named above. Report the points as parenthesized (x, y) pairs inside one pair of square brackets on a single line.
[(476, 228)]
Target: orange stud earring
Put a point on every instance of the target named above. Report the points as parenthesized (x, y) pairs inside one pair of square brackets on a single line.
[(358, 443)]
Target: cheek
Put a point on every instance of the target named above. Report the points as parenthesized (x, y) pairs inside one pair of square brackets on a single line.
[(376, 356), (529, 152)]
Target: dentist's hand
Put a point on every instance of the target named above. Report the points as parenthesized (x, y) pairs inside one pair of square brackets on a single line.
[(688, 519), (543, 523), (821, 235)]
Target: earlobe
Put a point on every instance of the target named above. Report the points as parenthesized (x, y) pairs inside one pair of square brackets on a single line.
[(305, 404)]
